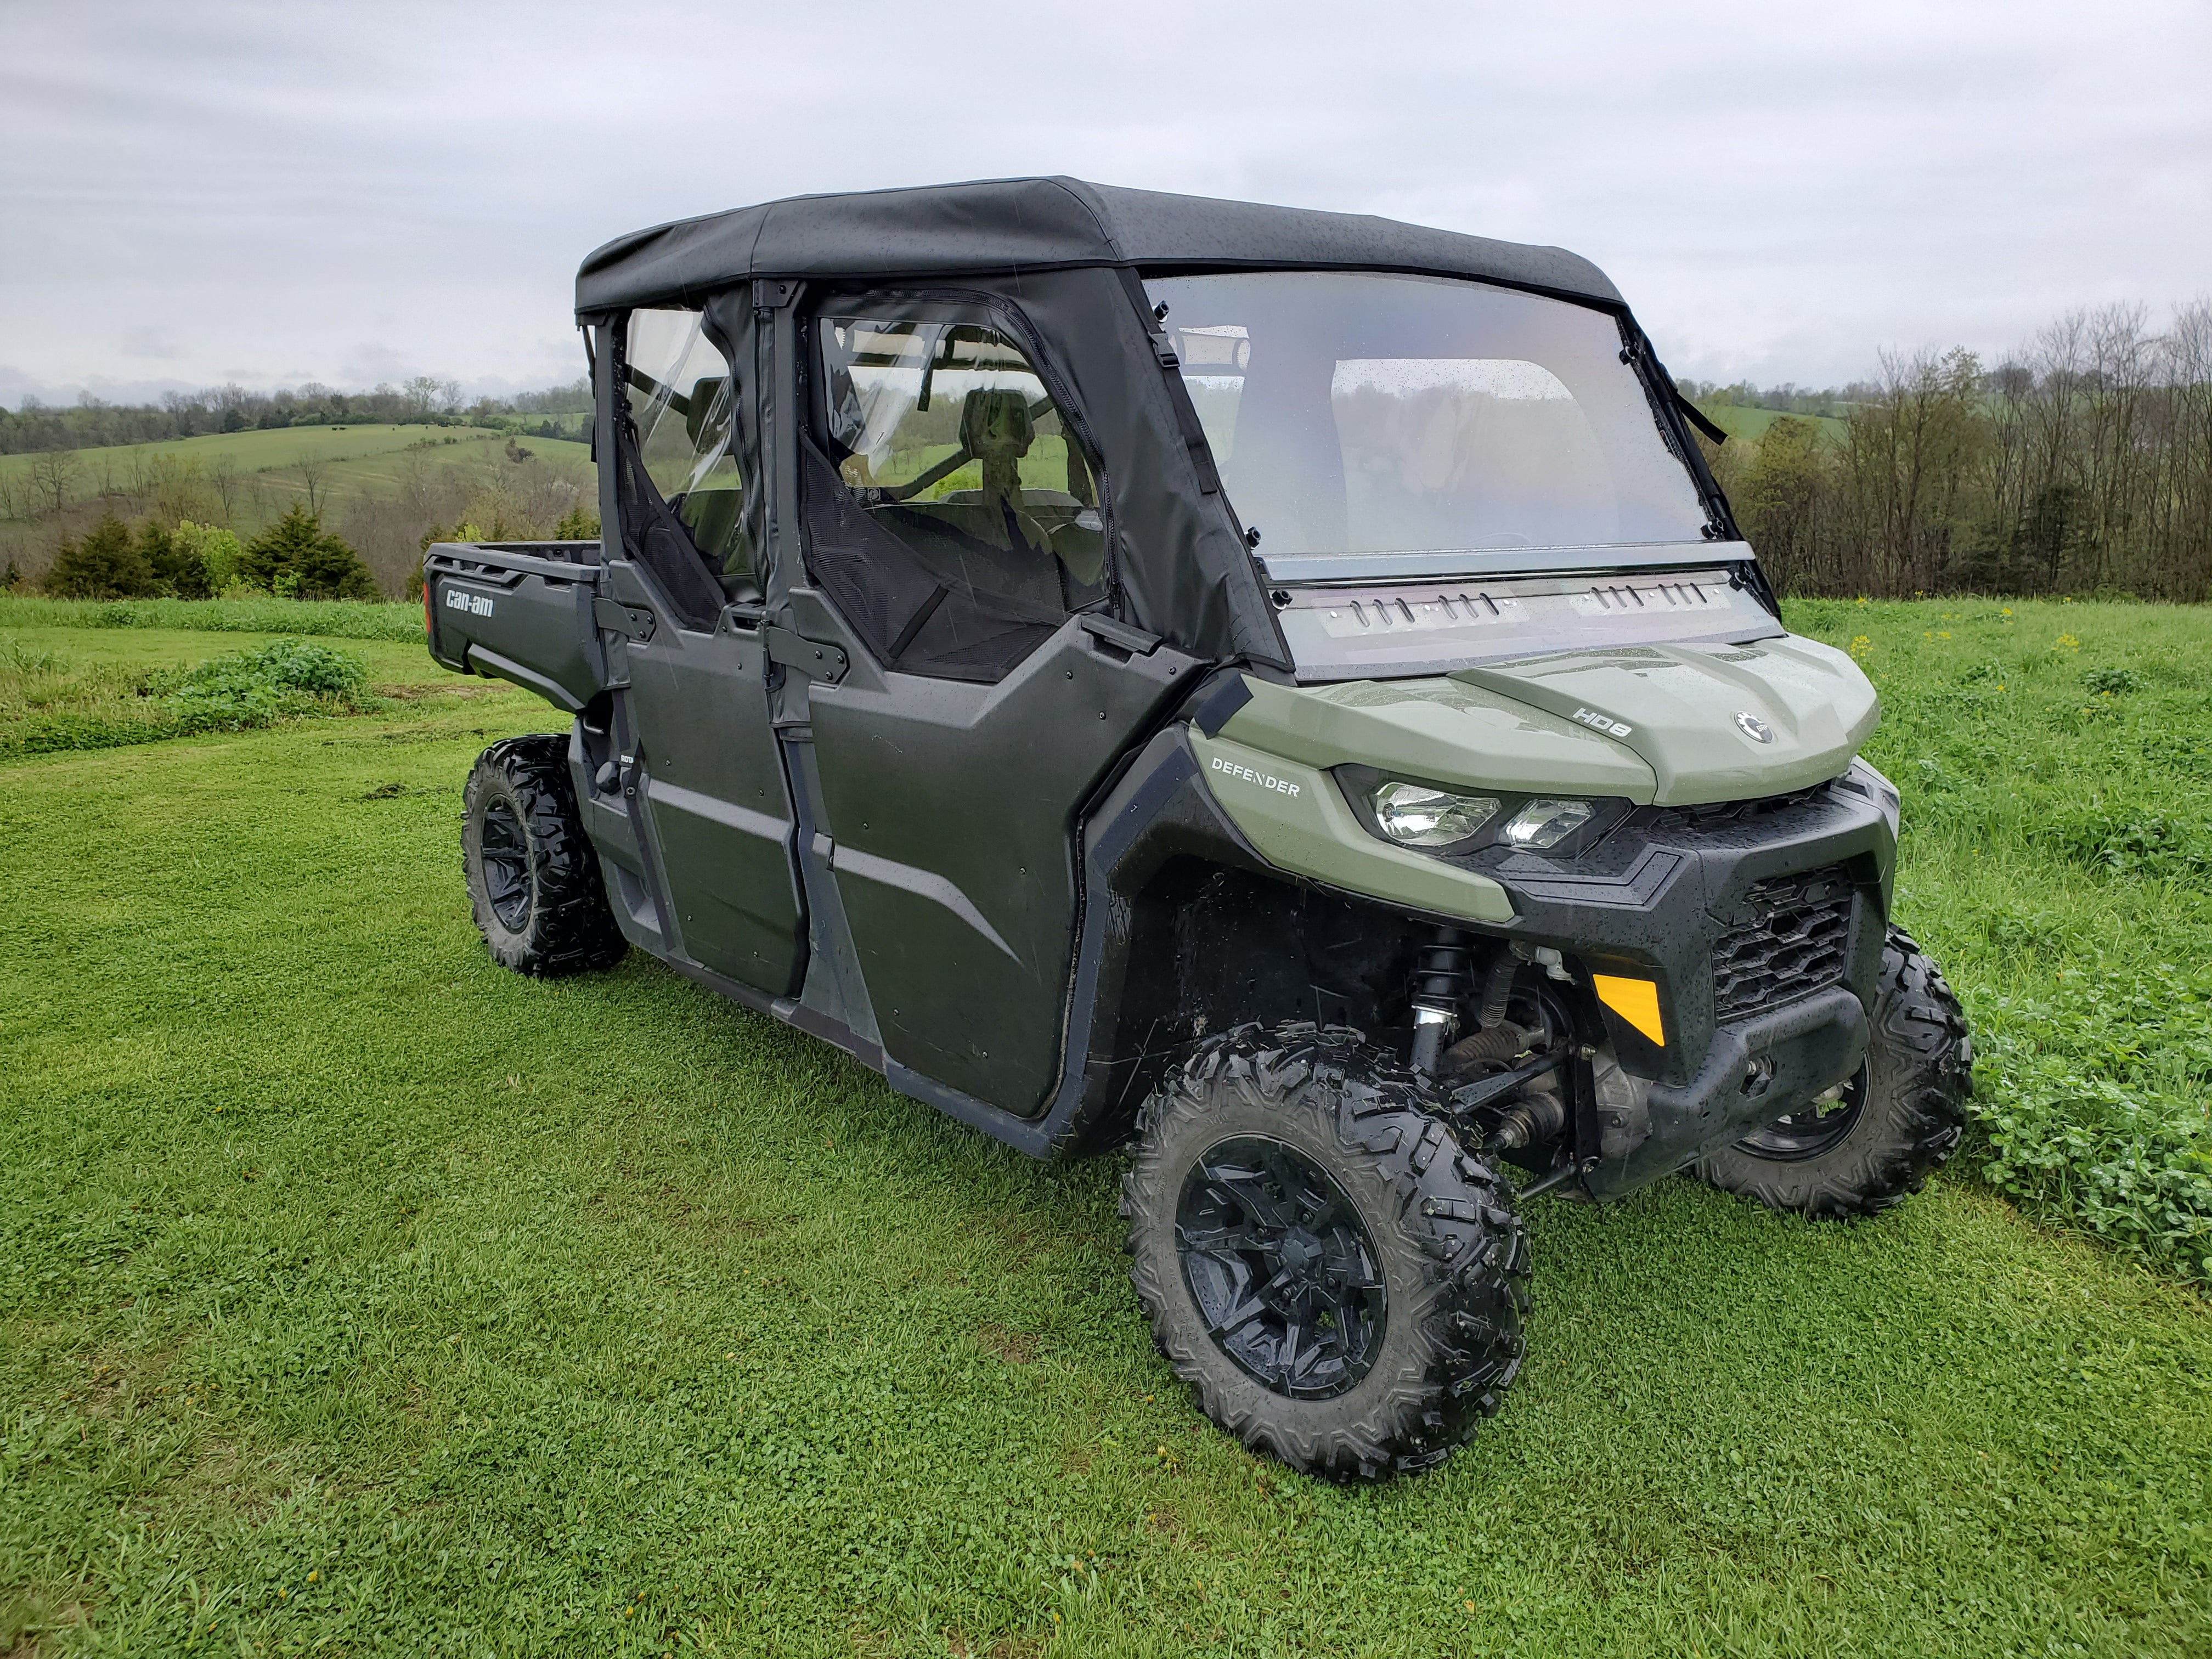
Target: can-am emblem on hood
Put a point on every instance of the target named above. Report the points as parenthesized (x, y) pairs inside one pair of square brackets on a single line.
[(1754, 728)]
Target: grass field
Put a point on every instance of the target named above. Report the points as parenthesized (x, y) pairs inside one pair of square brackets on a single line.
[(56, 696), (334, 467), (356, 1296), (384, 473), (1742, 421), (248, 452), (353, 619)]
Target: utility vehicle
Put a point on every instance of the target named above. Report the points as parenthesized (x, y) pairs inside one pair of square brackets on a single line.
[(1277, 691)]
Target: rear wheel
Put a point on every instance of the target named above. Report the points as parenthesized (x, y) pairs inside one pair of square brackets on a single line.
[(533, 878), (1340, 1280), (1898, 1118)]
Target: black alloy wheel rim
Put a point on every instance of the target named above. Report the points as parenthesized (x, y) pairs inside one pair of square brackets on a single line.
[(505, 854), (1282, 1268), (1812, 1129)]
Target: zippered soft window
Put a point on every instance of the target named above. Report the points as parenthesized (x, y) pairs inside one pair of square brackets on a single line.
[(679, 396), (952, 515)]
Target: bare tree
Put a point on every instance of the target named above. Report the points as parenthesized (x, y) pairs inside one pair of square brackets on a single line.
[(177, 489), (54, 473), (222, 477), (1907, 452), (2188, 495), (314, 474)]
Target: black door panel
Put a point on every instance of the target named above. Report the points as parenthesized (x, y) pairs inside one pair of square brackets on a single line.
[(729, 873), (716, 796), (953, 807)]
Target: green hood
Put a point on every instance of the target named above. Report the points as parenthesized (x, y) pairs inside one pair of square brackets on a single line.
[(1653, 723)]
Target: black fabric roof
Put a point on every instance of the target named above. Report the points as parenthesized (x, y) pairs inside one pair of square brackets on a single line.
[(1030, 224)]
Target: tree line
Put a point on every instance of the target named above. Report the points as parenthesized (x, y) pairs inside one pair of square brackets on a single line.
[(2080, 463), (296, 557), (55, 500), (92, 422)]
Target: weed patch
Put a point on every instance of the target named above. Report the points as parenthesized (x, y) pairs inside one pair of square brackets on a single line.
[(2057, 857), (2133, 843), (51, 701), (2094, 1099)]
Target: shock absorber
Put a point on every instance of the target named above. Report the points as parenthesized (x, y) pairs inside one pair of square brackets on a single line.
[(1442, 974)]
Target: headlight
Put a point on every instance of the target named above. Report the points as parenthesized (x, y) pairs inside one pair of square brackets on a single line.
[(1547, 823), (1414, 815)]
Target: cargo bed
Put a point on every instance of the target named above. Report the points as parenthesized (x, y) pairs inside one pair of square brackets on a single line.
[(520, 611)]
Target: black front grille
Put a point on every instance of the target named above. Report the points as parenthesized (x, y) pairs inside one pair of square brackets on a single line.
[(1797, 941)]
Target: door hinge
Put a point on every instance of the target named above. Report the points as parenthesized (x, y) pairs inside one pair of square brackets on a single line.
[(632, 620), (1134, 640), (812, 658)]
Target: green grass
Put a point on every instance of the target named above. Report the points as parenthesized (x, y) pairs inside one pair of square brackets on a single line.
[(357, 1296), (383, 474), (53, 699), (249, 452), (349, 464), (1742, 421), (352, 619), (2055, 760)]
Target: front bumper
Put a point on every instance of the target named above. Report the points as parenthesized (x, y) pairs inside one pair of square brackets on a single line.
[(1761, 926), (1753, 1073), (1733, 912)]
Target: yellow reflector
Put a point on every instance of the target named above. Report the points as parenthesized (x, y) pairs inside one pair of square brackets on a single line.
[(1636, 1000)]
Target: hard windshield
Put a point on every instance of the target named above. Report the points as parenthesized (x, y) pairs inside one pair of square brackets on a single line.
[(1371, 414)]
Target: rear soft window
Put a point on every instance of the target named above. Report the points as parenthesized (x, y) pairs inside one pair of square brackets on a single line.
[(680, 397)]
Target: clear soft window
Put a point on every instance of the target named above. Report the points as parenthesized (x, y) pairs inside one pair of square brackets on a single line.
[(948, 423), (1371, 414), (681, 398), (962, 523)]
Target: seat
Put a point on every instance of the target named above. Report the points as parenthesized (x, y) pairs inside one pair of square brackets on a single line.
[(997, 428)]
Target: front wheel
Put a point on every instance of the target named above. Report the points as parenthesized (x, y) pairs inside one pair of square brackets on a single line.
[(1898, 1120), (1340, 1281)]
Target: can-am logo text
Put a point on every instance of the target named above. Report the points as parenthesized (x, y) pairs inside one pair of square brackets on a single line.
[(1597, 722), (476, 605)]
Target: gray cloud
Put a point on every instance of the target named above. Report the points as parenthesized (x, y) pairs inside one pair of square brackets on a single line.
[(278, 191), (144, 341)]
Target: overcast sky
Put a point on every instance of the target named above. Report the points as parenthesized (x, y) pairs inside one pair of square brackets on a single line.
[(274, 193)]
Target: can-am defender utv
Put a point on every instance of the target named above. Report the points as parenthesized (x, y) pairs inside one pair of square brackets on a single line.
[(1280, 690)]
